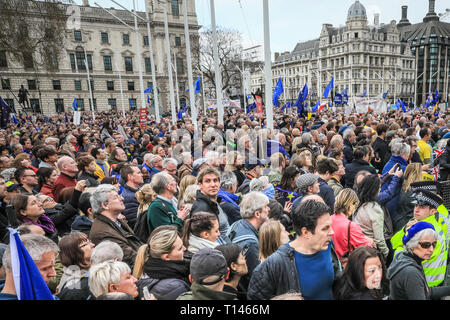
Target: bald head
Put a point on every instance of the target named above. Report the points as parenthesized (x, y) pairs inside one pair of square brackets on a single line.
[(314, 197)]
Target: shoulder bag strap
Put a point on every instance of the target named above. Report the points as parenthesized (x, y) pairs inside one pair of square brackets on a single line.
[(348, 239)]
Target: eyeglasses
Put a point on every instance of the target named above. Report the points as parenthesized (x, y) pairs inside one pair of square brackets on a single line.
[(85, 244), (426, 245)]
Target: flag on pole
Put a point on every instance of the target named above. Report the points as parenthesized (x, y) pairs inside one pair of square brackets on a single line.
[(28, 280), (385, 94), (438, 152), (14, 119), (149, 89), (364, 94), (328, 88), (197, 85), (435, 98), (322, 106), (300, 109), (344, 96), (277, 92), (75, 104), (314, 109), (301, 96), (338, 98), (148, 99)]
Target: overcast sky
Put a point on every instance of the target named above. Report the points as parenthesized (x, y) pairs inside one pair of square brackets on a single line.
[(293, 21)]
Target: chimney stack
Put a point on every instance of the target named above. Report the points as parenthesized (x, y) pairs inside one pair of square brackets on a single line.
[(431, 15), (404, 21), (86, 3), (376, 20)]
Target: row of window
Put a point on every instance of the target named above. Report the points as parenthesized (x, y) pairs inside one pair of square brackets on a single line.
[(104, 38)]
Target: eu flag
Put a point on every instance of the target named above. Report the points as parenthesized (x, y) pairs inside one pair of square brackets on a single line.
[(75, 104), (197, 85), (277, 92), (148, 90), (328, 88), (364, 94)]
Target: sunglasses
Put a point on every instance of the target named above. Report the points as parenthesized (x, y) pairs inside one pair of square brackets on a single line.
[(426, 245)]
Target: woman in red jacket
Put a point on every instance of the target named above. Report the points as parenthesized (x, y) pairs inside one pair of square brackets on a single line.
[(47, 177), (347, 235)]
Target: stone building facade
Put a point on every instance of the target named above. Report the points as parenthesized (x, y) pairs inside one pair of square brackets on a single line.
[(360, 56), (110, 47)]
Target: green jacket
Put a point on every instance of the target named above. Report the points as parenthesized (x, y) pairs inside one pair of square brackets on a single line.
[(434, 268), (199, 292), (161, 213)]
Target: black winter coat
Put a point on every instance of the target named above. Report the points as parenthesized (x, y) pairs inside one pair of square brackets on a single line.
[(63, 215), (348, 151), (381, 150), (353, 168)]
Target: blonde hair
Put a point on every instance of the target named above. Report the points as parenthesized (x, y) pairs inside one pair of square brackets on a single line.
[(295, 143), (161, 241), (184, 183), (269, 238), (413, 173), (345, 198), (145, 196), (103, 274)]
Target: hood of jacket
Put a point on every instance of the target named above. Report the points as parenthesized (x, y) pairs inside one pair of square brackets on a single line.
[(229, 197), (200, 292), (270, 192), (402, 260)]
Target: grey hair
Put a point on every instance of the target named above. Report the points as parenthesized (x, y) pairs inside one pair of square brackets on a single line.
[(100, 196), (347, 133), (252, 202), (147, 157), (400, 148), (167, 161), (259, 184), (153, 159), (49, 139), (414, 241), (70, 136), (321, 137), (103, 274), (335, 141), (227, 180), (36, 245), (106, 250), (307, 138), (160, 181)]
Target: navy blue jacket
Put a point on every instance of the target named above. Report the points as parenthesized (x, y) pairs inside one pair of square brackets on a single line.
[(327, 194), (131, 204), (348, 151)]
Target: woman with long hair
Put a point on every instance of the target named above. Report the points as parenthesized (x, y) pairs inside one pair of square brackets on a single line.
[(286, 191), (185, 182), (305, 161), (200, 231), (272, 235), (145, 195), (347, 235), (373, 219), (238, 268), (364, 277), (160, 265), (47, 177), (405, 206)]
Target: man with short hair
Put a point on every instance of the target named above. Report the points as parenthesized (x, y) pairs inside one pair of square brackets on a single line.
[(349, 140), (48, 157), (361, 161), (206, 199), (277, 164), (162, 210), (424, 148), (208, 272), (155, 165), (254, 169), (170, 166), (27, 179), (133, 181), (381, 148), (42, 251), (326, 168), (244, 232), (102, 166), (107, 206), (306, 265), (68, 169)]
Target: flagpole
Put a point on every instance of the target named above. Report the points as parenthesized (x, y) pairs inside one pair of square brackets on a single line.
[(268, 66), (203, 91), (139, 56), (368, 81), (89, 85), (121, 90), (152, 64), (174, 66), (217, 70), (395, 82), (169, 69), (189, 65)]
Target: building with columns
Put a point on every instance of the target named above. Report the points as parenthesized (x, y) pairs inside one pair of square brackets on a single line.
[(430, 45), (110, 48), (360, 56)]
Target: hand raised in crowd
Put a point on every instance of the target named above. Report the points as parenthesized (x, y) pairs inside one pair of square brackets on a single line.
[(288, 206), (393, 169), (81, 185), (183, 212), (398, 173)]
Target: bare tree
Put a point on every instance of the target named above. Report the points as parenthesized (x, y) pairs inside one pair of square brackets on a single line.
[(33, 32)]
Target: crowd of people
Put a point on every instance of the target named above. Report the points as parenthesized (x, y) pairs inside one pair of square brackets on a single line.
[(332, 206)]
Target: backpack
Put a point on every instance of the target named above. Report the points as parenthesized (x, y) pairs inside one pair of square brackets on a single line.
[(141, 227)]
